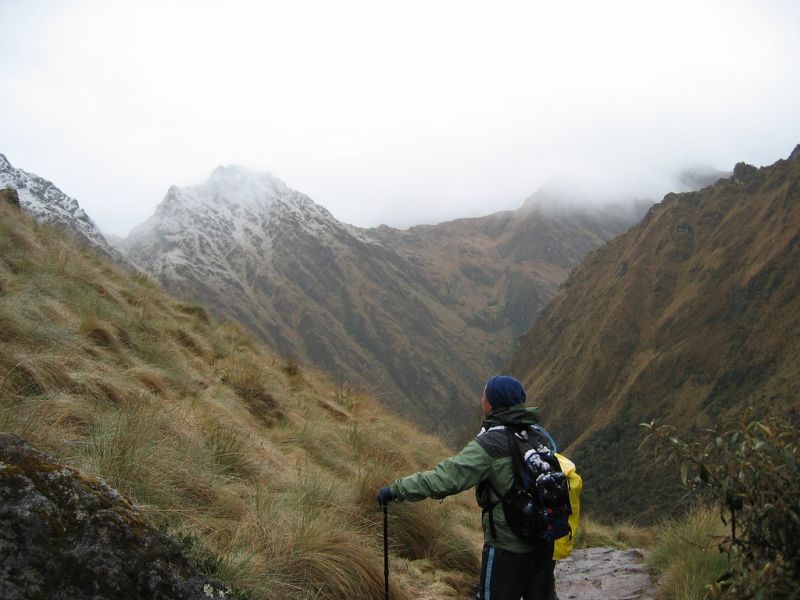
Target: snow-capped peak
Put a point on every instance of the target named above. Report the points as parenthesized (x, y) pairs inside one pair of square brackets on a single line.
[(237, 203), (234, 187), (235, 177)]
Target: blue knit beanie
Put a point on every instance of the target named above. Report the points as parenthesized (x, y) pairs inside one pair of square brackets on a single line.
[(503, 391)]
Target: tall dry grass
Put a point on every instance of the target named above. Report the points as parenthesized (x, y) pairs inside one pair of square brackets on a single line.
[(593, 533), (264, 471), (687, 555)]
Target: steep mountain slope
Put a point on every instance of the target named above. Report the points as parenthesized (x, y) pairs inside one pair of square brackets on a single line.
[(49, 204), (690, 315), (421, 316), (263, 473)]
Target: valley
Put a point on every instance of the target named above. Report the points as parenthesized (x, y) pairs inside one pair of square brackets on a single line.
[(685, 317), (420, 317)]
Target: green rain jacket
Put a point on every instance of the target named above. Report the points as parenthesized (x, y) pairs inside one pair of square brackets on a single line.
[(484, 462)]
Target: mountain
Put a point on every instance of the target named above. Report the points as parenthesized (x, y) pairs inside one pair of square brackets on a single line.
[(688, 317), (422, 316), (48, 204)]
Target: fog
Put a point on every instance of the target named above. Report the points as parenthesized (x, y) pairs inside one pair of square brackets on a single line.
[(400, 113)]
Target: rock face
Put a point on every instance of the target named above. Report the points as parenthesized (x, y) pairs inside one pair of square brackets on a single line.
[(11, 196), (688, 317), (421, 316), (49, 204), (64, 535)]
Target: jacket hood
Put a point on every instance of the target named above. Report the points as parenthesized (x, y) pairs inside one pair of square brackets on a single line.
[(517, 416)]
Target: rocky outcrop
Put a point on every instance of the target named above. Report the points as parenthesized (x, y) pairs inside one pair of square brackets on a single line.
[(64, 535), (11, 196), (48, 204)]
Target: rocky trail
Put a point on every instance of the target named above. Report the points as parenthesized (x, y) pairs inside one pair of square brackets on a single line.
[(605, 574)]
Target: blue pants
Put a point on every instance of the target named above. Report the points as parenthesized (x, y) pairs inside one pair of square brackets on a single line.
[(511, 576)]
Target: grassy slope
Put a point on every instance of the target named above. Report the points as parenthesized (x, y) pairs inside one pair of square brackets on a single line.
[(264, 471)]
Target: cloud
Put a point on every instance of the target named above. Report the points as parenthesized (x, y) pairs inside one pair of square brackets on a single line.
[(405, 113)]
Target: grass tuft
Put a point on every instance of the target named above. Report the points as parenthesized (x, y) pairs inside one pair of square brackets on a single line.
[(100, 388), (152, 379), (100, 333), (33, 375), (593, 534), (195, 310), (247, 376), (291, 366), (191, 343), (687, 555), (229, 451)]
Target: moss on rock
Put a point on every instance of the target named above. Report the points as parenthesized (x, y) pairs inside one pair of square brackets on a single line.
[(64, 534)]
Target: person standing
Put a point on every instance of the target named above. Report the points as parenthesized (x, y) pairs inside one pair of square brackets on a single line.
[(511, 568)]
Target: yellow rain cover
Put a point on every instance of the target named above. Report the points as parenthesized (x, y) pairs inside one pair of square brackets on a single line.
[(563, 546)]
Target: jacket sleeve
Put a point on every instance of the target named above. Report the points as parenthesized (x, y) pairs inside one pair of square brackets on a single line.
[(452, 475)]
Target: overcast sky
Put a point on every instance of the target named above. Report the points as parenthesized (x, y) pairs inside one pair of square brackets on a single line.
[(400, 113)]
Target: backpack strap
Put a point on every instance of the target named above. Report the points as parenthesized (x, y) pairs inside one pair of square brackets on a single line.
[(490, 508), (544, 435), (516, 457)]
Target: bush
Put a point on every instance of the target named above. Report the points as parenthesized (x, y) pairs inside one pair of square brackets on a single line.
[(749, 469)]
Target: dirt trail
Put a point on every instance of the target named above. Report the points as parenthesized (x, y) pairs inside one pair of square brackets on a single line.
[(604, 574)]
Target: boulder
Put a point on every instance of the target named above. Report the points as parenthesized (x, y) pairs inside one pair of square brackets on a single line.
[(64, 534), (11, 196)]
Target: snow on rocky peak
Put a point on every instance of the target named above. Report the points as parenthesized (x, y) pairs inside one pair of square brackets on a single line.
[(236, 203), (246, 185), (49, 204), (235, 217)]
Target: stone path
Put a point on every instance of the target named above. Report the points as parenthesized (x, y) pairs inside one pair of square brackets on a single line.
[(604, 574)]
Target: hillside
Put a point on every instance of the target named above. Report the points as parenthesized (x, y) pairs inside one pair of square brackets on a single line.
[(689, 316), (265, 473), (420, 317)]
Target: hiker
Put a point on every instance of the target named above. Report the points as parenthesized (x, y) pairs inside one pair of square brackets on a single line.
[(510, 567)]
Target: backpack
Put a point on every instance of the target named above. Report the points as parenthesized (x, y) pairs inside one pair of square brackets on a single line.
[(563, 546), (538, 506)]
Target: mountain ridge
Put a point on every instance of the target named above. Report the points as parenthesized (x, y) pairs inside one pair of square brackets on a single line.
[(674, 320)]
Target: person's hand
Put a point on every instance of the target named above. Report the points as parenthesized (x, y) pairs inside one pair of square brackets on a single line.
[(385, 496)]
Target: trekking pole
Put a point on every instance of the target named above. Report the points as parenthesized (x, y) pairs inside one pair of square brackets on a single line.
[(386, 550)]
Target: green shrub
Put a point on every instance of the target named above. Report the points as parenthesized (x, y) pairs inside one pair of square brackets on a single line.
[(750, 469)]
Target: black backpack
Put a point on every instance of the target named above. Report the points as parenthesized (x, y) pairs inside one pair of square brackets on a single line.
[(537, 505)]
